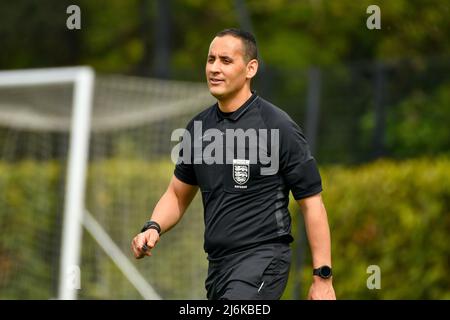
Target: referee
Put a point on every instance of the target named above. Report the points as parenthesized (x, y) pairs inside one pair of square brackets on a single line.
[(247, 222)]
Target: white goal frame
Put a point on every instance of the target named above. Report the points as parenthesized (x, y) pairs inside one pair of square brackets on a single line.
[(82, 79), (75, 214)]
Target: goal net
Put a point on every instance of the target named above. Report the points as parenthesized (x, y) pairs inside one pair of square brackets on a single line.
[(68, 237)]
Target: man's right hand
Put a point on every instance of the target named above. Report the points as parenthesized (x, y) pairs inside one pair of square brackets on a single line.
[(144, 242)]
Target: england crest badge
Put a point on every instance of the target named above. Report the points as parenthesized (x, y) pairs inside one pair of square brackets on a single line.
[(241, 171)]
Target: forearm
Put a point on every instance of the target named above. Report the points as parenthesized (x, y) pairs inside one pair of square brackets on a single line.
[(167, 211), (318, 231), (172, 205)]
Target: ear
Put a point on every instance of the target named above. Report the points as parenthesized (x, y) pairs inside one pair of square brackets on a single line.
[(252, 68)]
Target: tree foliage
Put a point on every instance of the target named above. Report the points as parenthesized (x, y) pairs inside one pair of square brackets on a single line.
[(289, 33)]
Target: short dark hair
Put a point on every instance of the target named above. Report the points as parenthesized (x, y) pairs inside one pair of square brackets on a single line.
[(248, 40)]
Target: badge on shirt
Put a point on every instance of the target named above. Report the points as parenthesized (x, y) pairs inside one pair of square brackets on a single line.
[(241, 172)]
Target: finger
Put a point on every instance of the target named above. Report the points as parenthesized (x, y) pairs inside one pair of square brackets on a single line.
[(148, 253), (133, 247), (136, 252), (153, 240), (141, 245), (136, 249), (146, 250)]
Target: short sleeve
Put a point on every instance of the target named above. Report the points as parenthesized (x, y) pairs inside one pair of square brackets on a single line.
[(297, 166), (184, 170), (185, 173)]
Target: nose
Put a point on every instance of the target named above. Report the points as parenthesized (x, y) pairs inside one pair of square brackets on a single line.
[(214, 67)]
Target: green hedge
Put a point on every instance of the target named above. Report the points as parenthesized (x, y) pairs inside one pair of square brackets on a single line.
[(28, 206), (121, 195), (395, 216), (391, 214)]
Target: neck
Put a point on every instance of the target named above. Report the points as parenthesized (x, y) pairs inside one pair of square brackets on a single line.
[(231, 104)]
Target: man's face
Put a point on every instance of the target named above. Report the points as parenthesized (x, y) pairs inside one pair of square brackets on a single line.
[(226, 69)]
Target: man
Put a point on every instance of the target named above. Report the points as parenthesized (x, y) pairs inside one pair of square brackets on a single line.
[(247, 222)]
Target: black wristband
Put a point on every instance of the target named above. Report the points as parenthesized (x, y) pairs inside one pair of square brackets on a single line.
[(151, 225)]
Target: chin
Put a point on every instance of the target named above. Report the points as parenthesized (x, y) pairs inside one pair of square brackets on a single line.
[(216, 93)]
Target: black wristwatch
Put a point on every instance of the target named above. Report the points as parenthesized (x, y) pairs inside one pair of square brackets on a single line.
[(151, 225), (324, 272)]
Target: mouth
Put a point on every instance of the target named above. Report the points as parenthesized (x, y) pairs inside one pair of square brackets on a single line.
[(215, 81)]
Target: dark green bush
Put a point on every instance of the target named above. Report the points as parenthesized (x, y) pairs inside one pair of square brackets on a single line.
[(391, 214), (395, 216)]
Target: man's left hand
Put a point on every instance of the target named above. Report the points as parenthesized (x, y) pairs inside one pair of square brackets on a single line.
[(321, 289)]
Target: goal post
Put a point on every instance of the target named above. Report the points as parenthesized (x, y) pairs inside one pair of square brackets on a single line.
[(83, 81), (76, 181), (91, 152)]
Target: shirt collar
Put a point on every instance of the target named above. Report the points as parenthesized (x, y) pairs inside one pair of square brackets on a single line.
[(240, 111)]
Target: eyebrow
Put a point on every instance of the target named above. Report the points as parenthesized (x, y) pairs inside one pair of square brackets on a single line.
[(220, 56)]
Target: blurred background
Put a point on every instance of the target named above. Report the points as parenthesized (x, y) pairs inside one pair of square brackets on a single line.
[(373, 103)]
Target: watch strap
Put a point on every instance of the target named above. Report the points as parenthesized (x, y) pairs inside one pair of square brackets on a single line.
[(151, 225)]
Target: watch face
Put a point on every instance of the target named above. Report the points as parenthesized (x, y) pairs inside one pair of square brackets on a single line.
[(325, 271)]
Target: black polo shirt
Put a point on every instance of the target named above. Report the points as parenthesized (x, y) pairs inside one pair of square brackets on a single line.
[(242, 206)]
